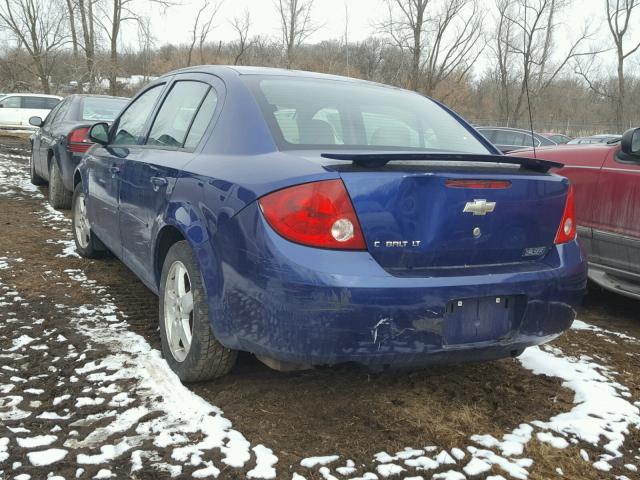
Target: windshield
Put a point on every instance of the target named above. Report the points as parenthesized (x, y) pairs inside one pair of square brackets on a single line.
[(335, 115), (102, 109)]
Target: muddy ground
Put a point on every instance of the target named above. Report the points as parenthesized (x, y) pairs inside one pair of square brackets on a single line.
[(344, 410)]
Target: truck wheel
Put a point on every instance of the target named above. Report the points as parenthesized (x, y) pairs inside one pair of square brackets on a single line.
[(59, 197), (188, 344), (87, 244)]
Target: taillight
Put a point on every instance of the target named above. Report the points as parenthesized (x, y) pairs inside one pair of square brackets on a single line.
[(567, 229), (318, 214), (78, 140)]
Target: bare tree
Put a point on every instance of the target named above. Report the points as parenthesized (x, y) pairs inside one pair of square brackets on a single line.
[(442, 38), (296, 25), (72, 29), (37, 25), (202, 27), (85, 8), (524, 48), (114, 15), (618, 18), (241, 26)]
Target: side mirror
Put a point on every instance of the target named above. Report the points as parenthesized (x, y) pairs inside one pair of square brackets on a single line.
[(36, 121), (630, 144), (99, 133)]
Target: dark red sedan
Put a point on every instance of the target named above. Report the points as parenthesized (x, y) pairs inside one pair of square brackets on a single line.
[(607, 188)]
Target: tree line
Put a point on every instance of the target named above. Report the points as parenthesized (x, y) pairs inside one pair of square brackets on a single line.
[(490, 60)]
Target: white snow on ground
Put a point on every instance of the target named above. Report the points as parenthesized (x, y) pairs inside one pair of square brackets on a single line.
[(602, 414), (46, 457), (183, 411), (602, 332)]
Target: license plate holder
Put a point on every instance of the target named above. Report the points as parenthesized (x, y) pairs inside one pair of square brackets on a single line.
[(476, 320)]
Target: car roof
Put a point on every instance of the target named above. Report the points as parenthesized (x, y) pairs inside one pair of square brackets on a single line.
[(236, 70), (95, 95), (33, 95), (511, 129)]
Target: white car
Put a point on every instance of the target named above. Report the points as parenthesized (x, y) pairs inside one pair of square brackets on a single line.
[(17, 108)]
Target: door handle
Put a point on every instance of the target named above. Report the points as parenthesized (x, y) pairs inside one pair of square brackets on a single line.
[(114, 171), (158, 182)]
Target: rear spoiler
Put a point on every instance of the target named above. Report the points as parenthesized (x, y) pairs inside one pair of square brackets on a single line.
[(373, 160)]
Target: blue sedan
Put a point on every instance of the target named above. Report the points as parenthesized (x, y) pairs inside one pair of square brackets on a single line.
[(312, 219)]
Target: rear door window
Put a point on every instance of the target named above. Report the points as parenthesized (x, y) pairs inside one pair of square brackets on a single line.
[(130, 126), (10, 102), (178, 110), (201, 122), (35, 103)]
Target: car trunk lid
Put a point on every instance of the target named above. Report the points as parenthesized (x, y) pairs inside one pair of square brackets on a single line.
[(422, 215)]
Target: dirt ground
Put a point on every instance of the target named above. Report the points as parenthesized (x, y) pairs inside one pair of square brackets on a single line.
[(344, 409)]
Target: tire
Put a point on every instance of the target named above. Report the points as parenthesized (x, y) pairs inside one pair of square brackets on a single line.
[(59, 197), (204, 357), (87, 244), (33, 176)]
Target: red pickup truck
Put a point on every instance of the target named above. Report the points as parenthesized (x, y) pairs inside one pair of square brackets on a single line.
[(607, 197)]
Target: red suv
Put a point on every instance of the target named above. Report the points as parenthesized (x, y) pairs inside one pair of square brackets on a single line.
[(607, 185)]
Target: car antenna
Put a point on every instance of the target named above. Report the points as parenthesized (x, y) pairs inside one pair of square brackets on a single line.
[(526, 80)]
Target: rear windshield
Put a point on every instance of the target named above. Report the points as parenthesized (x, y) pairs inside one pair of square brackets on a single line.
[(335, 115), (102, 109)]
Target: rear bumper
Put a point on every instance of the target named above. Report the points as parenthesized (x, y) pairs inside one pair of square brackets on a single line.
[(303, 305), (68, 162)]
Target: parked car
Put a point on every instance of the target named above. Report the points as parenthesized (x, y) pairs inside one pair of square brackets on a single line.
[(17, 108), (509, 139), (313, 219), (607, 179), (603, 138), (557, 138), (61, 140)]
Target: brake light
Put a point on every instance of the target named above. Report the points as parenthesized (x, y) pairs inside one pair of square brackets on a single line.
[(494, 184), (318, 214), (78, 141), (567, 229)]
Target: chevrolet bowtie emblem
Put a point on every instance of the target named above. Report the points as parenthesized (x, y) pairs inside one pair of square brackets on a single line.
[(479, 207)]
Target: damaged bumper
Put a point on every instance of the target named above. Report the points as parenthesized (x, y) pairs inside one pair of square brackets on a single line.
[(307, 306)]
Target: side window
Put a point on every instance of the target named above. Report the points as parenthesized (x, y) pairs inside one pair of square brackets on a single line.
[(34, 103), (176, 113), (505, 137), (201, 122), (287, 122), (61, 112), (332, 117), (130, 126), (51, 102), (10, 102), (489, 135), (388, 129), (51, 116)]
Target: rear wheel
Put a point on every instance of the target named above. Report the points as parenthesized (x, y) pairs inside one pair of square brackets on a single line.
[(188, 344), (34, 177), (59, 197), (87, 244)]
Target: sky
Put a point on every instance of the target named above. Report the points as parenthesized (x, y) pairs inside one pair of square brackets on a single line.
[(174, 24)]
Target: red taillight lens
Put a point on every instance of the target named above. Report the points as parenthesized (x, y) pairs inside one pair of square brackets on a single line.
[(567, 229), (77, 140), (318, 214), (494, 184)]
